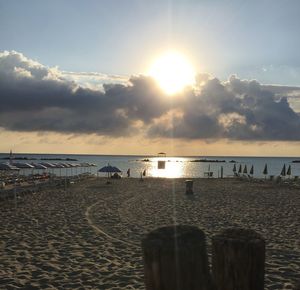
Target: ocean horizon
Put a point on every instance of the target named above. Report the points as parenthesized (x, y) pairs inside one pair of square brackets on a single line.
[(175, 166)]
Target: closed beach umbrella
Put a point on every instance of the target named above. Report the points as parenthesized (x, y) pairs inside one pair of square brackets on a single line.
[(265, 172), (289, 171), (283, 171), (245, 169), (240, 169), (234, 168), (252, 170)]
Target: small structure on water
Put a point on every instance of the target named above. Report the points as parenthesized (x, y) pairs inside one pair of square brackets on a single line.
[(161, 164)]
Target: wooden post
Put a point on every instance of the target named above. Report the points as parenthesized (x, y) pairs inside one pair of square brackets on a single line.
[(189, 186), (175, 258), (296, 285), (238, 260)]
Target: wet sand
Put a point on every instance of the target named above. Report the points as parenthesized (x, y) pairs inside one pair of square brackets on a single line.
[(88, 237)]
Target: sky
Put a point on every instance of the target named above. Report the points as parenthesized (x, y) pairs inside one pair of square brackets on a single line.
[(73, 77)]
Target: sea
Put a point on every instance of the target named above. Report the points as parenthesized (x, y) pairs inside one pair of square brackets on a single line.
[(174, 166)]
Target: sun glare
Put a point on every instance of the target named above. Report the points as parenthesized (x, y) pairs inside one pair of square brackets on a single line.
[(173, 72)]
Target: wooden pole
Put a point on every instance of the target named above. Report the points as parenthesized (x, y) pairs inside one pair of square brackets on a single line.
[(175, 258), (238, 260), (296, 285), (189, 186)]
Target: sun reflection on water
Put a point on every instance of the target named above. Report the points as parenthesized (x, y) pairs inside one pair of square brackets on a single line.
[(174, 167)]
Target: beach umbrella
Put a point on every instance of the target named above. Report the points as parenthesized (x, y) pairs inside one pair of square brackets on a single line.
[(39, 166), (283, 171), (23, 165), (116, 169), (245, 169), (90, 167), (49, 165), (289, 171), (265, 171), (252, 170), (6, 166), (240, 169), (234, 168), (109, 170)]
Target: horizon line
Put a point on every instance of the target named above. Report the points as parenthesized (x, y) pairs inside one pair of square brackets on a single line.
[(156, 155)]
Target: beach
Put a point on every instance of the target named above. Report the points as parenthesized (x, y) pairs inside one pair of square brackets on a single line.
[(88, 237)]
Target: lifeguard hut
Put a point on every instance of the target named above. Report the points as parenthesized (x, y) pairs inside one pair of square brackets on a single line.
[(161, 164)]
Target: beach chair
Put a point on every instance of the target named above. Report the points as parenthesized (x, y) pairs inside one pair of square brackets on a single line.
[(277, 179), (208, 174)]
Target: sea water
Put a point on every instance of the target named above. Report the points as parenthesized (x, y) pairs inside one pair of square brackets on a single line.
[(175, 167)]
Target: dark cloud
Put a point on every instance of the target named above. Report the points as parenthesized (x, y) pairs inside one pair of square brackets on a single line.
[(239, 110), (37, 98)]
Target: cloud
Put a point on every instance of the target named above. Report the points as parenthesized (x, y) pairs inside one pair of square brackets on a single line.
[(36, 98), (94, 80), (237, 110)]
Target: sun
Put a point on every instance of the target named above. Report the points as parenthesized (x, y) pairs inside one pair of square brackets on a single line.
[(173, 72)]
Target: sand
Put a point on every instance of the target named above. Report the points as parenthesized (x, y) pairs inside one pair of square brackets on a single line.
[(88, 237)]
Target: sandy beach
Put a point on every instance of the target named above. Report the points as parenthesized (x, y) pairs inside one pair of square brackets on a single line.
[(88, 237)]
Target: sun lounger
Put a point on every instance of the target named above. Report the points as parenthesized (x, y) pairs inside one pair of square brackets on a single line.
[(277, 179), (208, 174)]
